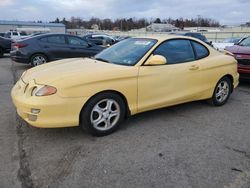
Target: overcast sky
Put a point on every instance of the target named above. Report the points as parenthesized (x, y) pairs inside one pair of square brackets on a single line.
[(225, 11)]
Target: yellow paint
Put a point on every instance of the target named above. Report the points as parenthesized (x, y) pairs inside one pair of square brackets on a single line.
[(144, 87)]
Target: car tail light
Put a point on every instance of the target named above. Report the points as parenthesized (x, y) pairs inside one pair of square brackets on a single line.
[(20, 45)]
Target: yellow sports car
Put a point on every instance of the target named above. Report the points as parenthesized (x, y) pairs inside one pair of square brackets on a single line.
[(133, 76)]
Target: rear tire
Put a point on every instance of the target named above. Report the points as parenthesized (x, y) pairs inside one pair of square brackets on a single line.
[(38, 59), (1, 52), (222, 92), (103, 114)]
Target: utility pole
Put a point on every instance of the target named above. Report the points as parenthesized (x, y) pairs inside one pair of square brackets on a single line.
[(198, 21)]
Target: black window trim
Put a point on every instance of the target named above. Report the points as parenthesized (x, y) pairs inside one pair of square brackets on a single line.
[(195, 56)]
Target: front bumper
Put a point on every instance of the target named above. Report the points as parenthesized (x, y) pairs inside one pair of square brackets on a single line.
[(244, 71), (55, 111)]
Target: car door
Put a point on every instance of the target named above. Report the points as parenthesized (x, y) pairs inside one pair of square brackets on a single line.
[(176, 82), (79, 47), (54, 46)]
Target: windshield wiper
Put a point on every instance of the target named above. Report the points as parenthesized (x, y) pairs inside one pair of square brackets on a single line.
[(104, 60)]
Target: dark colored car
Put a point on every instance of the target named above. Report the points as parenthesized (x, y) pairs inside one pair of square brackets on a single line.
[(49, 47), (5, 46), (195, 35), (100, 39), (241, 52)]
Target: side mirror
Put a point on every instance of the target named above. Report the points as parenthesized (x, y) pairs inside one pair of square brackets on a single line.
[(156, 60)]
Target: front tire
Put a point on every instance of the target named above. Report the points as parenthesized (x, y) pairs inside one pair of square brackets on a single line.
[(103, 114), (38, 59), (222, 92)]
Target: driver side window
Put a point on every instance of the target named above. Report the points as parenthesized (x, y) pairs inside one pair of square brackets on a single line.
[(176, 51)]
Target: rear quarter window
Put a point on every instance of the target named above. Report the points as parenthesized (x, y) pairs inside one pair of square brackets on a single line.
[(56, 39), (200, 50)]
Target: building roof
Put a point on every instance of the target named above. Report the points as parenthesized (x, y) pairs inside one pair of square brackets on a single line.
[(24, 23)]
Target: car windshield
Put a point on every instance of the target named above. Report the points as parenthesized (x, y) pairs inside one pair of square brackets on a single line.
[(245, 42), (127, 52)]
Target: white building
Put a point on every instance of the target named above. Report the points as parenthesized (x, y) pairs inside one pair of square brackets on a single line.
[(21, 25), (160, 27)]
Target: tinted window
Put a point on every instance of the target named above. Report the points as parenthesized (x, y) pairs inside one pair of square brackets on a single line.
[(176, 51), (44, 39), (76, 41), (201, 51), (14, 33), (56, 39), (99, 37), (246, 42)]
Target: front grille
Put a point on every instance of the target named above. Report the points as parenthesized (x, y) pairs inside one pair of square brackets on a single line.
[(244, 62)]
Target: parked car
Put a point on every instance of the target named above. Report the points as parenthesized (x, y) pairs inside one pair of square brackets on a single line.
[(2, 34), (227, 42), (195, 35), (242, 54), (43, 48), (132, 76), (15, 35), (120, 38), (100, 39), (5, 46)]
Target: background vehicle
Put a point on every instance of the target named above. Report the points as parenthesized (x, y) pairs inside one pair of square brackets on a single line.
[(242, 54), (133, 76), (227, 42), (2, 34), (100, 39), (5, 46), (49, 47), (195, 35), (15, 35)]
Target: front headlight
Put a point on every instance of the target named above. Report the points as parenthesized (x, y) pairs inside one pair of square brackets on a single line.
[(44, 91)]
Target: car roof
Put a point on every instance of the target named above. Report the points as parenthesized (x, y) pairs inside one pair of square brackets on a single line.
[(169, 36)]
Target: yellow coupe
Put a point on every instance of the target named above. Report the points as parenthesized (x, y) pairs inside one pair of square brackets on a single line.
[(133, 76)]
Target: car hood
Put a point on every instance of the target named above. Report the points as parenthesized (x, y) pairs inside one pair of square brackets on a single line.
[(233, 49), (75, 71)]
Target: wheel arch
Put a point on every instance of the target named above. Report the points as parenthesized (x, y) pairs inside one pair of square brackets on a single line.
[(231, 79)]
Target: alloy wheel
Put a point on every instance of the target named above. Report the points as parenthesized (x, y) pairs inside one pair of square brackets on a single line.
[(222, 91), (38, 60), (105, 114)]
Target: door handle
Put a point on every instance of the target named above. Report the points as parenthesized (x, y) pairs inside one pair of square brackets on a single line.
[(72, 48), (46, 46), (193, 67)]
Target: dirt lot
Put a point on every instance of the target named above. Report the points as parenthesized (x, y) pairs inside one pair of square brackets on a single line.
[(190, 145)]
